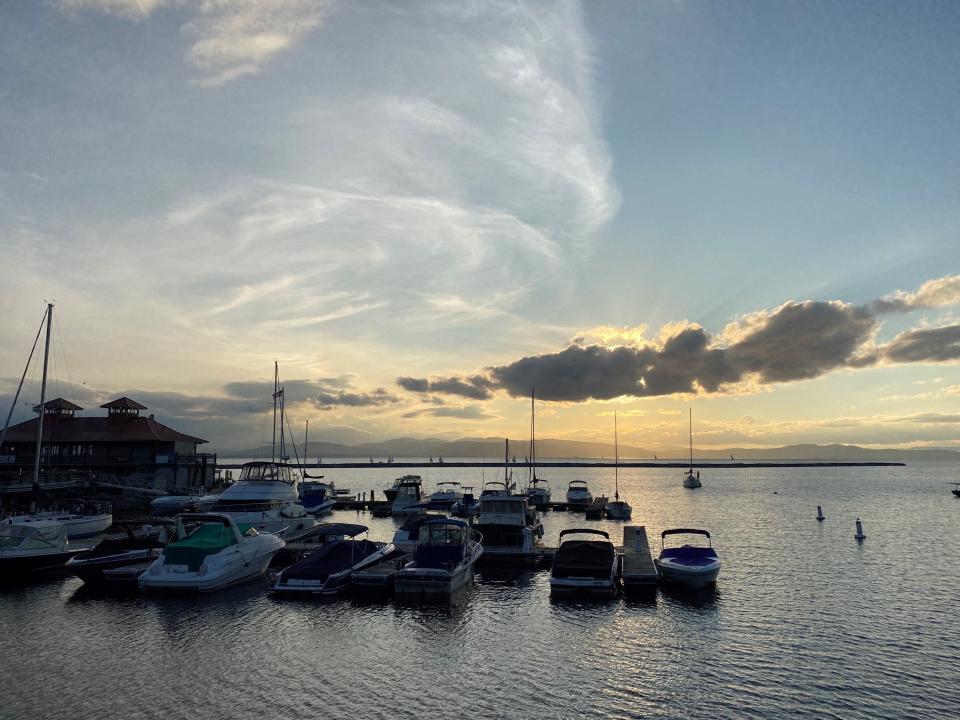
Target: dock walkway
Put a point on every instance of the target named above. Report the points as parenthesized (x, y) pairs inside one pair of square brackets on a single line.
[(638, 573)]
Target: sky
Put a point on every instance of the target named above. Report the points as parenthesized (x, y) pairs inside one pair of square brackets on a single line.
[(422, 211)]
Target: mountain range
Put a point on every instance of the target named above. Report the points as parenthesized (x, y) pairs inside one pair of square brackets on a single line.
[(493, 449)]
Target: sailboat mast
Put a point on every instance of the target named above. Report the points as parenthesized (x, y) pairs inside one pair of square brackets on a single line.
[(43, 399), (616, 460), (533, 441), (283, 418), (276, 388), (691, 439), (306, 436), (506, 459)]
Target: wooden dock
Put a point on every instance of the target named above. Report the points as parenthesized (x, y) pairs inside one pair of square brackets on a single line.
[(638, 571)]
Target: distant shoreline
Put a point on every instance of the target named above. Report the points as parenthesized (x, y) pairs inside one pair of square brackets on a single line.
[(596, 464)]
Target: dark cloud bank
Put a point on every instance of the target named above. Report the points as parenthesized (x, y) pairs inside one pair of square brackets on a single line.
[(797, 341)]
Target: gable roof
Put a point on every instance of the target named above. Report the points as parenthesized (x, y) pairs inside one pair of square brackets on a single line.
[(124, 403), (98, 429)]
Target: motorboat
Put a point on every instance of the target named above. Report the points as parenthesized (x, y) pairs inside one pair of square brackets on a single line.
[(443, 561), (210, 551), (467, 505), (34, 548), (170, 505), (134, 549), (266, 496), (691, 479), (618, 509), (408, 534), (408, 498), (539, 493), (446, 494), (693, 566), (391, 492), (510, 526), (578, 493), (327, 570), (84, 519), (584, 565), (317, 498), (494, 487)]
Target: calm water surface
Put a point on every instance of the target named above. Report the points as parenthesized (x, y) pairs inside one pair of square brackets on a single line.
[(805, 623)]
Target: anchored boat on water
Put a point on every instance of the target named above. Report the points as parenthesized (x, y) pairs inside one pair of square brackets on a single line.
[(691, 566), (443, 561), (210, 551), (584, 565), (33, 549), (132, 552)]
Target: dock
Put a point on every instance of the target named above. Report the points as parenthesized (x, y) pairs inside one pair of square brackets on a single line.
[(638, 571), (379, 578)]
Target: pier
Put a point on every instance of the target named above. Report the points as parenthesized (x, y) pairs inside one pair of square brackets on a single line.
[(583, 464), (638, 571)]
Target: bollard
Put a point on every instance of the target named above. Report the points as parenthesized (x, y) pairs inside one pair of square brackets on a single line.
[(820, 516), (860, 535)]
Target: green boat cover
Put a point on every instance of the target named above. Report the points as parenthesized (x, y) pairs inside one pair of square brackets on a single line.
[(206, 540)]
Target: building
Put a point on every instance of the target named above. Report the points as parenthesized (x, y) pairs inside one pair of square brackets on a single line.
[(122, 449)]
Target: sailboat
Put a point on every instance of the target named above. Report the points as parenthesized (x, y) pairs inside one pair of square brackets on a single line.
[(84, 519), (537, 490), (618, 509), (691, 479)]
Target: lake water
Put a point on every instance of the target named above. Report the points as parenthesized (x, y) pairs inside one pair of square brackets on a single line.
[(805, 622)]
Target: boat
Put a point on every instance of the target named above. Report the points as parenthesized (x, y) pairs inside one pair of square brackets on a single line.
[(446, 494), (618, 509), (443, 560), (467, 505), (327, 570), (408, 498), (132, 550), (537, 490), (584, 565), (578, 493), (170, 505), (316, 497), (83, 520), (33, 549), (494, 487), (379, 577), (406, 536), (596, 509), (510, 527), (691, 480), (210, 551), (391, 492), (692, 566)]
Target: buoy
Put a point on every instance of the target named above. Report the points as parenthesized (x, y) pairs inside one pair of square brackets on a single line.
[(860, 535), (820, 516)]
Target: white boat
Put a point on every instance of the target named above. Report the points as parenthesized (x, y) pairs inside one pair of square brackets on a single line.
[(509, 525), (584, 565), (446, 494), (578, 493), (391, 492), (34, 548), (408, 499), (317, 498), (173, 504), (691, 479), (78, 523), (210, 551), (327, 570), (443, 560), (692, 566), (617, 509)]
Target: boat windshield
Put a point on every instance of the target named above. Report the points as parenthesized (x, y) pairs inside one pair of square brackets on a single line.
[(441, 535), (266, 472), (500, 506)]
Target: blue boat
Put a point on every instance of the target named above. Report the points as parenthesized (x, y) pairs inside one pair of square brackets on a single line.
[(693, 566)]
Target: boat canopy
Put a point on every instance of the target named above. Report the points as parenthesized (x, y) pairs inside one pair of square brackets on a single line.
[(589, 531), (448, 482), (441, 543), (208, 539), (345, 529), (578, 483), (267, 472), (38, 535), (684, 531)]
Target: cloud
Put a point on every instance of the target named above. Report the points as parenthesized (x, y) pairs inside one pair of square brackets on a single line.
[(940, 344), (932, 294), (326, 393), (229, 39), (469, 412), (796, 341), (477, 387)]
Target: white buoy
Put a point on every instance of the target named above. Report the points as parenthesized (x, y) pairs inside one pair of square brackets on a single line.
[(860, 535), (820, 516)]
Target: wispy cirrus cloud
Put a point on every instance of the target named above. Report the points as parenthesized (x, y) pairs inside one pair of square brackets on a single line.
[(229, 39)]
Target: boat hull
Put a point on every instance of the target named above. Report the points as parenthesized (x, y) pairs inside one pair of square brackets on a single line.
[(691, 576), (24, 566), (235, 574), (429, 582), (91, 571), (76, 526), (574, 586)]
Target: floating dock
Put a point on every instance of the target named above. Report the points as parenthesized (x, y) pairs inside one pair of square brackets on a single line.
[(379, 578), (638, 571)]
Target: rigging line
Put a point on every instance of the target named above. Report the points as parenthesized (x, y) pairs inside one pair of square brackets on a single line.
[(63, 351), (16, 396), (292, 441)]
